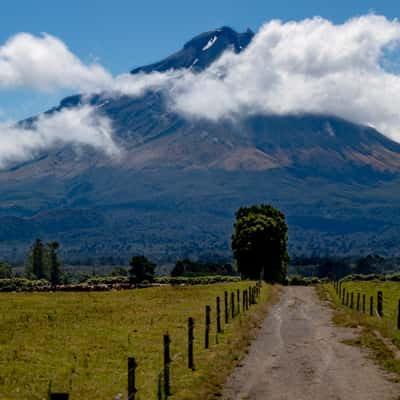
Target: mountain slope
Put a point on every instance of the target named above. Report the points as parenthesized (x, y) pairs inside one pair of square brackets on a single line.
[(174, 191)]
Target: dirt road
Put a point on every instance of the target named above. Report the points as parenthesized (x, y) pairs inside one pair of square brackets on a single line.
[(299, 355)]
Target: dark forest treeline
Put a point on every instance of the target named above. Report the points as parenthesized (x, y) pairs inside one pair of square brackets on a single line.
[(337, 267)]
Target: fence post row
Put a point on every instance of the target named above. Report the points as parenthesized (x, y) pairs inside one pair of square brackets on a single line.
[(371, 306), (398, 316), (344, 296), (379, 304), (167, 361), (208, 323), (232, 305), (219, 329), (238, 300), (190, 343), (132, 378), (363, 304), (226, 308)]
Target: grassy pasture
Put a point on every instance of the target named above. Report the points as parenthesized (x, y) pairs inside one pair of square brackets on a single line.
[(80, 341), (385, 326), (391, 296)]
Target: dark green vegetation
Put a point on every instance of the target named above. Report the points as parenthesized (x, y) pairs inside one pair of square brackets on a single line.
[(339, 267), (43, 262), (259, 243), (380, 334), (195, 268), (174, 192), (81, 341), (5, 270), (141, 269), (104, 283)]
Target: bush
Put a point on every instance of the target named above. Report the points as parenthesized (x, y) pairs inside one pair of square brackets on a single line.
[(107, 280), (199, 280), (297, 280), (23, 285), (372, 277), (362, 277)]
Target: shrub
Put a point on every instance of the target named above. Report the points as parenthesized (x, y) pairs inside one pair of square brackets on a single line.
[(23, 285)]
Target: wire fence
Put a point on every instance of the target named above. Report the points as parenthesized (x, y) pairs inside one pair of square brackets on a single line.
[(235, 303), (376, 300)]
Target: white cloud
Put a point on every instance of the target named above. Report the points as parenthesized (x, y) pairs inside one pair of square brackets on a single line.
[(78, 126), (45, 63), (299, 67), (310, 66)]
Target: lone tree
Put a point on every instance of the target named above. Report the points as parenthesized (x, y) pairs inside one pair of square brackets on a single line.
[(5, 270), (141, 269), (55, 266), (259, 243), (36, 267)]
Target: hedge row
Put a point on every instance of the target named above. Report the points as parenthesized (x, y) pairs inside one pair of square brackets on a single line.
[(23, 285), (106, 283), (373, 277)]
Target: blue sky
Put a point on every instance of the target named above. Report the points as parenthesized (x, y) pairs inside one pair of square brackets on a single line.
[(123, 34)]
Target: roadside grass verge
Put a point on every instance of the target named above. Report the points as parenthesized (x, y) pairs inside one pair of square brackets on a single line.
[(379, 335), (80, 342)]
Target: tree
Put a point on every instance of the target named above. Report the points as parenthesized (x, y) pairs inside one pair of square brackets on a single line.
[(141, 269), (36, 267), (5, 271), (179, 268), (55, 266), (119, 271), (259, 243)]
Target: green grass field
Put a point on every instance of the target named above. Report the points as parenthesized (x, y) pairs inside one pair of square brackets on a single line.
[(386, 326), (391, 296), (80, 342)]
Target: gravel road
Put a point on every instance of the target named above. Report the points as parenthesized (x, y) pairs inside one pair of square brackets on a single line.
[(299, 355)]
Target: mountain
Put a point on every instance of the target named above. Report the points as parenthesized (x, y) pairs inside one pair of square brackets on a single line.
[(174, 191), (201, 51)]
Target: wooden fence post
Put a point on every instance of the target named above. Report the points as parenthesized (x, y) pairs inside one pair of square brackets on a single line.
[(379, 304), (363, 304), (347, 298), (207, 331), (243, 300), (351, 300), (398, 316), (232, 305), (167, 362), (238, 300), (190, 343), (132, 378), (219, 329), (59, 396), (226, 308), (358, 301), (371, 306), (343, 295)]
